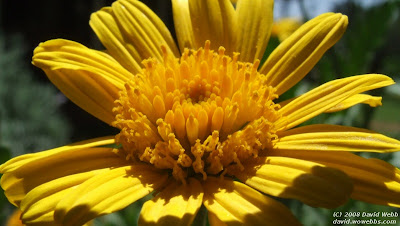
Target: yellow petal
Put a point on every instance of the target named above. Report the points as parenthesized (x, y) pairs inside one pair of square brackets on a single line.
[(309, 182), (298, 54), (213, 220), (349, 102), (21, 173), (235, 203), (335, 138), (375, 181), (372, 101), (60, 53), (183, 25), (107, 30), (21, 160), (177, 204), (39, 204), (213, 20), (327, 96), (44, 220), (142, 29), (379, 189), (89, 78), (254, 24), (108, 192)]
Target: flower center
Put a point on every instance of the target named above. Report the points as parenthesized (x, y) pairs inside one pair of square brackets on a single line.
[(196, 115)]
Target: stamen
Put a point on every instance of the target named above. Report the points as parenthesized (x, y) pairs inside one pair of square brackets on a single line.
[(197, 115)]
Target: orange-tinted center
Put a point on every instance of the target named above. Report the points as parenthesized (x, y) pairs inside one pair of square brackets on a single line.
[(199, 114)]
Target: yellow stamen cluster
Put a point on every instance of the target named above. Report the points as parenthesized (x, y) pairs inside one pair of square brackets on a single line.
[(198, 114)]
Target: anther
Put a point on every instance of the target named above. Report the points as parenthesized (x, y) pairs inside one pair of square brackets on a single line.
[(199, 114)]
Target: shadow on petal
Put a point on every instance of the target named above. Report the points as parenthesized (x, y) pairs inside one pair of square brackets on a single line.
[(108, 192), (172, 220), (233, 203), (312, 183), (24, 173), (375, 181), (177, 204)]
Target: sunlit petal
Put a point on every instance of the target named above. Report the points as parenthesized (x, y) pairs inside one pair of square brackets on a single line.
[(372, 101), (309, 182), (108, 192), (298, 54), (254, 24), (90, 78), (177, 204), (213, 20), (327, 96), (335, 138), (142, 29), (375, 181), (235, 203), (183, 24), (39, 204), (20, 173), (107, 30)]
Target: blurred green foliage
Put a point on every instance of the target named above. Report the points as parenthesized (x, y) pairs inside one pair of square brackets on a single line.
[(30, 119)]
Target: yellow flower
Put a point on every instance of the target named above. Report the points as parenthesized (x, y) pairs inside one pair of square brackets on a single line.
[(15, 219), (199, 124), (284, 27)]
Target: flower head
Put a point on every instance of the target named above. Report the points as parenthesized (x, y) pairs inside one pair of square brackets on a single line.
[(185, 114), (201, 124)]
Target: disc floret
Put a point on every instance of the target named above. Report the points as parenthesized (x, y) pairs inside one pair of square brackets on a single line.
[(196, 115)]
